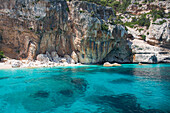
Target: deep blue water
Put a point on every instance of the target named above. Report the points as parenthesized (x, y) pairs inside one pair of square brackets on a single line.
[(86, 89)]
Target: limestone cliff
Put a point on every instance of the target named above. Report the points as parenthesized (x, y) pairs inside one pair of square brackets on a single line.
[(90, 31), (28, 28), (148, 23)]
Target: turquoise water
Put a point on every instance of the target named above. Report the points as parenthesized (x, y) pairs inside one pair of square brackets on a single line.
[(86, 89)]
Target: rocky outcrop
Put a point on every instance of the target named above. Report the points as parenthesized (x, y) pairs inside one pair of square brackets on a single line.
[(43, 58), (16, 64), (146, 53), (95, 38), (159, 33), (152, 42), (74, 57), (107, 64)]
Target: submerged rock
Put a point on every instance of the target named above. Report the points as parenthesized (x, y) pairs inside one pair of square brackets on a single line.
[(121, 81), (67, 92), (41, 94), (79, 83), (126, 103)]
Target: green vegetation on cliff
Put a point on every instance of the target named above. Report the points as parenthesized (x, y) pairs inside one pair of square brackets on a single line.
[(1, 55), (116, 5), (142, 21), (105, 27), (157, 14)]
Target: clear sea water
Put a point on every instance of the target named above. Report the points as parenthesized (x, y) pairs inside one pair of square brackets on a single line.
[(86, 89)]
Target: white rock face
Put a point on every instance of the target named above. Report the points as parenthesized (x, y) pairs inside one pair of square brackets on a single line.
[(74, 57), (160, 32), (4, 59), (144, 52)]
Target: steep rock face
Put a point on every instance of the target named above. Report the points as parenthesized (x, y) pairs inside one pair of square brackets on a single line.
[(93, 41), (43, 23), (144, 52), (28, 28), (152, 41), (159, 33)]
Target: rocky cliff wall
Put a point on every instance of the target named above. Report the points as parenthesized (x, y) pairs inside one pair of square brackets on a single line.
[(31, 27), (28, 28)]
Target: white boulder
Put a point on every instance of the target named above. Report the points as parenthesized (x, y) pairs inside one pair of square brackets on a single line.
[(43, 58)]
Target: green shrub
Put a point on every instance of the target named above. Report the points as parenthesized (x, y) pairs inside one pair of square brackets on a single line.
[(67, 9), (126, 28), (136, 3), (82, 11), (92, 14), (141, 30), (134, 19), (143, 21), (143, 37), (129, 24), (122, 17), (1, 55), (157, 14), (104, 27), (37, 16), (160, 22)]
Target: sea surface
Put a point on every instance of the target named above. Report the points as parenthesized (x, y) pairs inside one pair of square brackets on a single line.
[(130, 88)]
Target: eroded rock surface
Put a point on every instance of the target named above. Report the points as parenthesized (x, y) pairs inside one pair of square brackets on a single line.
[(78, 29), (29, 28)]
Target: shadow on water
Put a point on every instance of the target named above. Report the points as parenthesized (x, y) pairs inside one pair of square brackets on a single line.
[(124, 103), (1, 78), (40, 94), (121, 81)]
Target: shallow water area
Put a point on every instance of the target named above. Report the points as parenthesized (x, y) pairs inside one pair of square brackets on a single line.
[(130, 88)]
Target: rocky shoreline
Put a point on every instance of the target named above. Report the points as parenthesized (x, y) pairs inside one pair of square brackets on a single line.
[(42, 60), (36, 65)]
